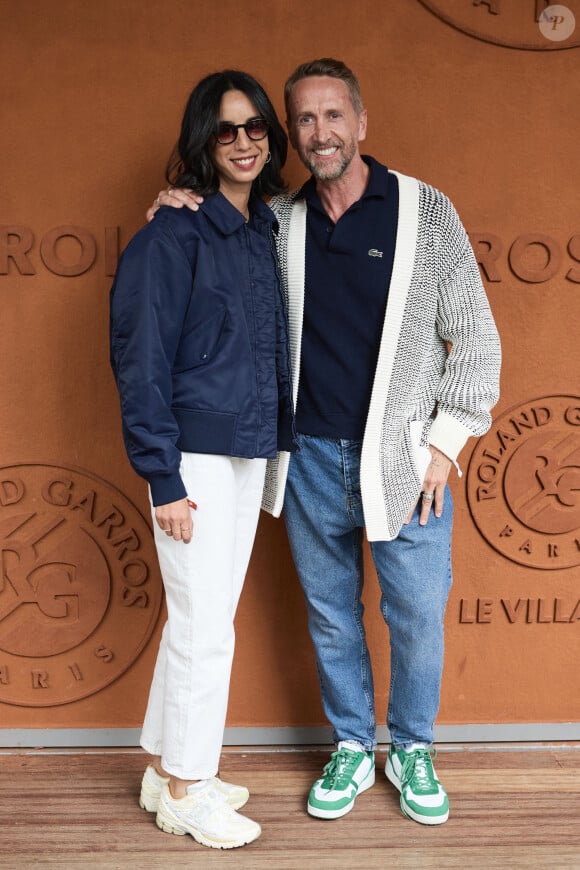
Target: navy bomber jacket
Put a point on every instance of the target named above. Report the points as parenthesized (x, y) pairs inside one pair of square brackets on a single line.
[(199, 345)]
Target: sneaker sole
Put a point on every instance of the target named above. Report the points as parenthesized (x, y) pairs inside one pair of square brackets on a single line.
[(170, 827), (148, 801), (407, 811), (423, 820), (320, 813)]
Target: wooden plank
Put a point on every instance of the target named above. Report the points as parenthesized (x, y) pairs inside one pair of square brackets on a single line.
[(508, 809)]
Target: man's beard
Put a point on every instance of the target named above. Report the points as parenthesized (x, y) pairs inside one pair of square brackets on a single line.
[(334, 170)]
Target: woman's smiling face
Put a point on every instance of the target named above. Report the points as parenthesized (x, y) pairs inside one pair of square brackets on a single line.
[(239, 163)]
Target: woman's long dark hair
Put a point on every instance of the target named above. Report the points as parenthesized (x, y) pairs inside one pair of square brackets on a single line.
[(191, 165)]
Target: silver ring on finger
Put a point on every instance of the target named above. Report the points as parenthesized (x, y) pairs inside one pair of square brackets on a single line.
[(427, 496)]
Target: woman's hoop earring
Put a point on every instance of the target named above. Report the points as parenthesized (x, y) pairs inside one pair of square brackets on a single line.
[(269, 157)]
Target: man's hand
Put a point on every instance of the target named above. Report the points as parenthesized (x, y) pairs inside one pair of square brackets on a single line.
[(176, 197), (175, 519), (433, 491)]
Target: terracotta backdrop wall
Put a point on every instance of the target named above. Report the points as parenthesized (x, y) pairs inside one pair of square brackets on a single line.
[(475, 98)]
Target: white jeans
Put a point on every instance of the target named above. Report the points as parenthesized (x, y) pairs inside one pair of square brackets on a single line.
[(186, 713)]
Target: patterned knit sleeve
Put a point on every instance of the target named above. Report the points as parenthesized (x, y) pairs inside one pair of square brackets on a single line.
[(469, 387)]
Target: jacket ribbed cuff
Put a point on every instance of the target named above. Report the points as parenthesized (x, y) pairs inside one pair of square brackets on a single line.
[(166, 488)]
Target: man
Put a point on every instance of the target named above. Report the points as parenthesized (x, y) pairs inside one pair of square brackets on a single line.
[(395, 364)]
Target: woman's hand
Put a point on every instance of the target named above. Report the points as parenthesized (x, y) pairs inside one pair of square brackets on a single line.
[(176, 197), (175, 519)]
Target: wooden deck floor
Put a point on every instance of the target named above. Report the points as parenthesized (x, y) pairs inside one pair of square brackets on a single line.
[(510, 808)]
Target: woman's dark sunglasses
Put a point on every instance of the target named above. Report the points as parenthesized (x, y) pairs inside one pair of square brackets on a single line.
[(256, 129)]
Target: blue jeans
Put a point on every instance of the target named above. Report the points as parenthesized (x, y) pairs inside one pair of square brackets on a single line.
[(324, 519)]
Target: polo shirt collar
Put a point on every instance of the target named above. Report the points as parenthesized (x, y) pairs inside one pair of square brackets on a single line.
[(377, 186)]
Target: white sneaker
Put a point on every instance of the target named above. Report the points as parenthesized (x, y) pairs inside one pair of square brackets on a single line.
[(205, 814), (152, 785)]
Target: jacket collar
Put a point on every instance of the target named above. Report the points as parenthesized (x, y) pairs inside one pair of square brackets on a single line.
[(228, 219)]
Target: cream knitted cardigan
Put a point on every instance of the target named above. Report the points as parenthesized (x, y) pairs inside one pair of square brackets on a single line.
[(422, 392)]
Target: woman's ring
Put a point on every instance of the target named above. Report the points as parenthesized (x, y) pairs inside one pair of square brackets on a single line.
[(427, 496)]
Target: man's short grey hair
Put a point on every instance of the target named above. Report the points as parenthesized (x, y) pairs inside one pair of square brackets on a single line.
[(325, 66)]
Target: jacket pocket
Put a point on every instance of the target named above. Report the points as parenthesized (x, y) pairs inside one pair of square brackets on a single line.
[(199, 345)]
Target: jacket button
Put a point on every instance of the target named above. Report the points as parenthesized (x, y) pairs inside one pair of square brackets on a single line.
[(204, 356)]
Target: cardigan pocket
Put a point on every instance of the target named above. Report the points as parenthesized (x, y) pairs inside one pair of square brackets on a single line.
[(421, 454)]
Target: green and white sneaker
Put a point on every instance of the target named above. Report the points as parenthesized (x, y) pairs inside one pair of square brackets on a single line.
[(423, 798), (347, 774), (152, 786)]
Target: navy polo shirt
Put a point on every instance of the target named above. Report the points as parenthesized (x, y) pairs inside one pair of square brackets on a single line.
[(348, 271)]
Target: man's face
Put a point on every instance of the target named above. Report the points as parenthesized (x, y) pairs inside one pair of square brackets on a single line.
[(324, 128)]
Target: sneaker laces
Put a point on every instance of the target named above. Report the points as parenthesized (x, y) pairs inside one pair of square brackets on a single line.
[(202, 805), (339, 770), (417, 771)]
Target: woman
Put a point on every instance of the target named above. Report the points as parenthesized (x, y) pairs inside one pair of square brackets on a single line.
[(199, 353)]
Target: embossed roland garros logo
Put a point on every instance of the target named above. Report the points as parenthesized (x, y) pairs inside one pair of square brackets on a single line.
[(523, 483), (79, 588), (532, 25)]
